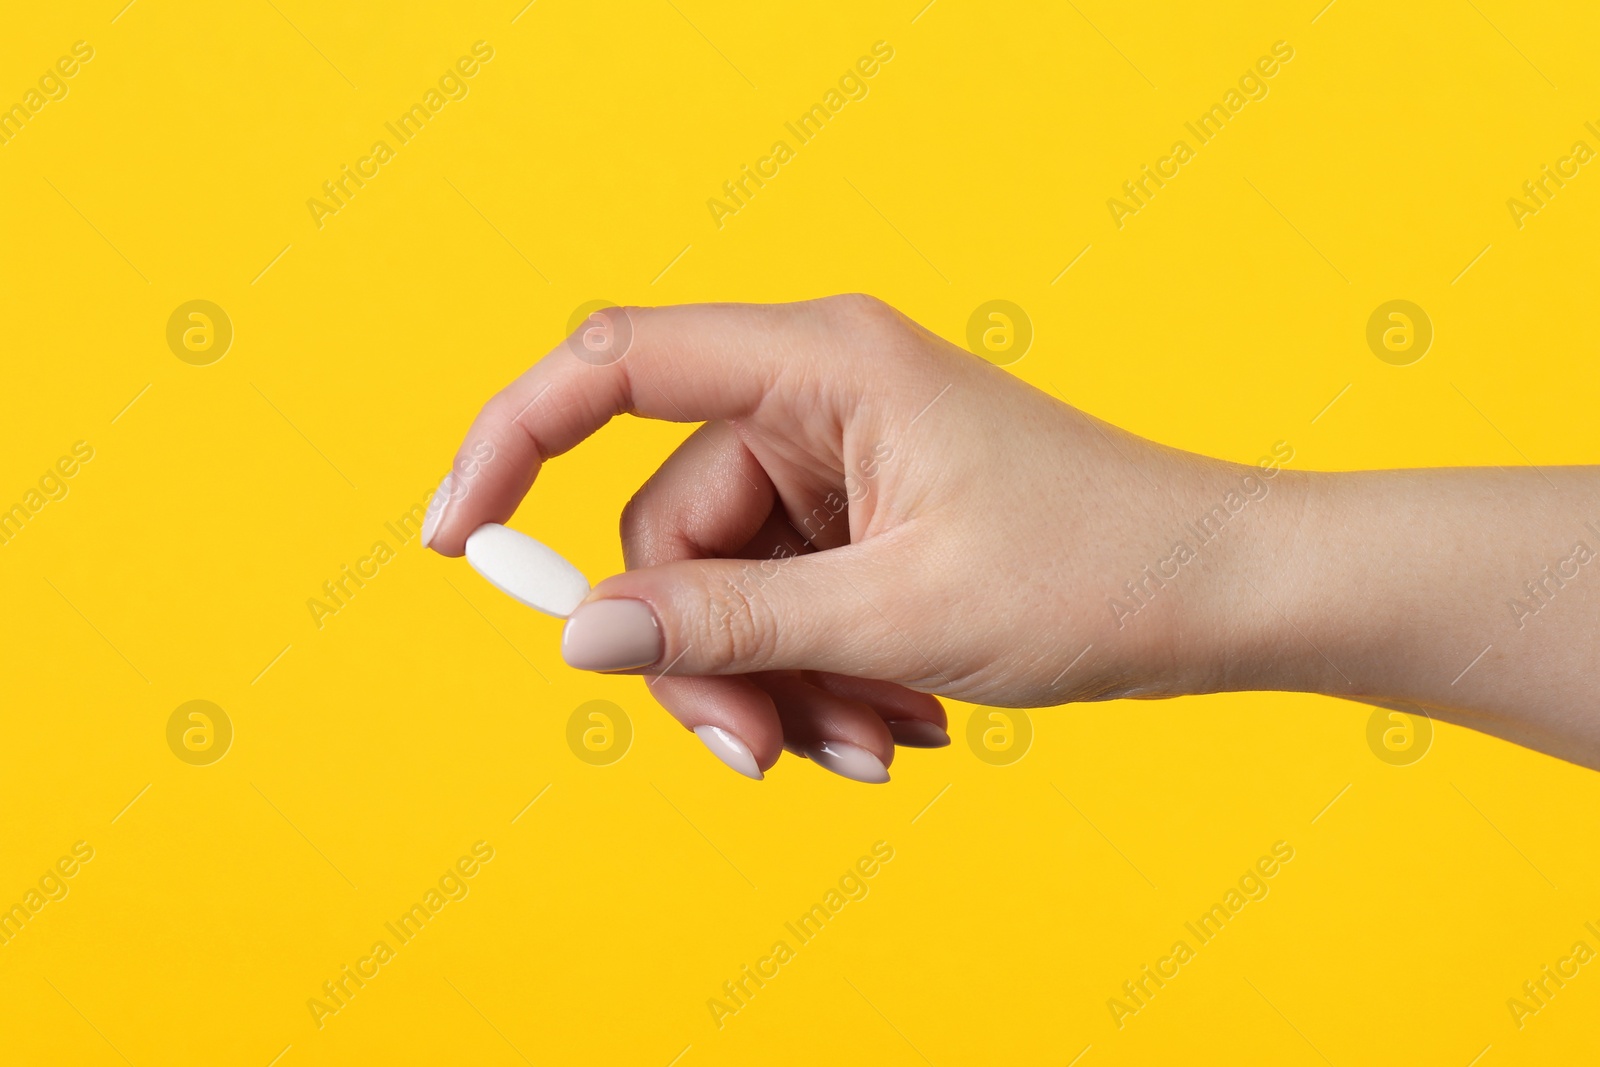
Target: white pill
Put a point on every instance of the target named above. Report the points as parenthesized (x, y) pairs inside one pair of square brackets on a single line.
[(525, 570)]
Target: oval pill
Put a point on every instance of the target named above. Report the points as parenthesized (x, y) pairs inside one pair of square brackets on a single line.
[(526, 570)]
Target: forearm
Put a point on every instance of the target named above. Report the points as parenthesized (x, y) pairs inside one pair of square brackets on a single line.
[(1474, 593)]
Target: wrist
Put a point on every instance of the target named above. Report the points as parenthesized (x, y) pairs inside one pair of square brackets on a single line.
[(1333, 589), (1257, 624)]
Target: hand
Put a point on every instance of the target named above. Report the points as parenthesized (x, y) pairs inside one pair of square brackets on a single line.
[(869, 515)]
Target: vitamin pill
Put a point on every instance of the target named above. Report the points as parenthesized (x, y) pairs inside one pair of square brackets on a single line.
[(526, 570)]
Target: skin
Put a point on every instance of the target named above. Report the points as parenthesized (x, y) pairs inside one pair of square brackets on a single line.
[(990, 529)]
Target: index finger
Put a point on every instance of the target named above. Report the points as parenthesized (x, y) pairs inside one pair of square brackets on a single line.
[(688, 363)]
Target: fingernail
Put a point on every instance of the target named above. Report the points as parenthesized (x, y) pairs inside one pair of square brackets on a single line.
[(730, 750), (849, 761), (611, 635), (917, 733), (436, 506)]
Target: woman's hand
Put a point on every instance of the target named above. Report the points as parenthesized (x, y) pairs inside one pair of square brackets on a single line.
[(868, 515)]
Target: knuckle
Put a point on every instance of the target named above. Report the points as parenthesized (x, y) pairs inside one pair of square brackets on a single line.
[(865, 321), (631, 528), (497, 416), (861, 309), (739, 627), (640, 528), (499, 408), (633, 523)]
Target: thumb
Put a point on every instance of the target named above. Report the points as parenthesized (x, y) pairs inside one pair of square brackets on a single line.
[(821, 611)]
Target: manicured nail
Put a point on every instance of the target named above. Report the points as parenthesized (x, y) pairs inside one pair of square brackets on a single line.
[(730, 750), (436, 506), (917, 733), (849, 761), (611, 635)]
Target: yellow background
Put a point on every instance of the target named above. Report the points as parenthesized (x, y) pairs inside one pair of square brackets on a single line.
[(373, 752)]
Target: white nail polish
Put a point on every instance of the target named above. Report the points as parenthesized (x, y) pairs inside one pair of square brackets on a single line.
[(730, 750), (526, 570), (849, 761), (436, 505)]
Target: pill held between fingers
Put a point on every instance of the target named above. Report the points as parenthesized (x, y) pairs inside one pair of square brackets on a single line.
[(526, 570)]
